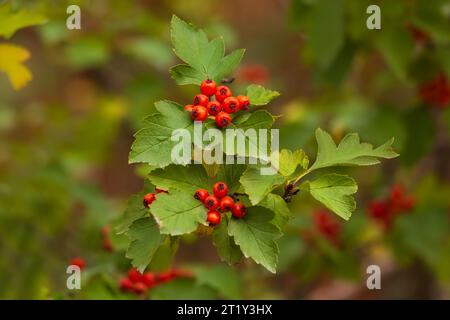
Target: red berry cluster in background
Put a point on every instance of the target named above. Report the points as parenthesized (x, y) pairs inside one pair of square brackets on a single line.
[(327, 225), (437, 91), (107, 245), (139, 283), (79, 262), (150, 197), (220, 201), (386, 210), (223, 105)]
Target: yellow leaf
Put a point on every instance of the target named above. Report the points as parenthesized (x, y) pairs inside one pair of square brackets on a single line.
[(11, 62)]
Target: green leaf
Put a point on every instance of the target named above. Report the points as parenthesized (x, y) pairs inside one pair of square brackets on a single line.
[(228, 251), (204, 59), (153, 144), (350, 152), (178, 212), (176, 177), (182, 289), (289, 161), (275, 203), (11, 21), (163, 257), (134, 211), (221, 278), (335, 192), (259, 96), (145, 239), (256, 235), (230, 174), (257, 186)]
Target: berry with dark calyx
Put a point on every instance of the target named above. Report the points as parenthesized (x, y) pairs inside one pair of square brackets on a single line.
[(189, 108), (220, 189), (139, 287), (158, 190), (214, 107), (208, 87), (79, 262), (222, 93), (199, 113), (134, 275), (230, 105), (201, 100), (244, 102), (226, 203), (211, 203), (238, 210), (201, 194), (148, 279), (213, 217), (223, 119), (126, 285), (148, 199)]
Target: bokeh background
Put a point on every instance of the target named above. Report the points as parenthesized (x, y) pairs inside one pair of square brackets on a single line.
[(65, 137)]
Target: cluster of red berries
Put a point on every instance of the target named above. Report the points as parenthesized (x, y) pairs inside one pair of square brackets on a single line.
[(150, 197), (78, 261), (219, 201), (436, 92), (107, 245), (328, 226), (140, 283), (220, 108), (386, 210)]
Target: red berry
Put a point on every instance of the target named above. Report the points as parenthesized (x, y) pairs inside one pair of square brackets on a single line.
[(201, 100), (189, 108), (134, 275), (139, 287), (220, 189), (239, 210), (223, 119), (214, 107), (126, 285), (327, 225), (208, 87), (158, 190), (107, 245), (148, 279), (164, 276), (222, 93), (200, 113), (230, 105), (201, 194), (226, 203), (244, 102), (148, 199), (213, 217), (79, 262), (211, 203)]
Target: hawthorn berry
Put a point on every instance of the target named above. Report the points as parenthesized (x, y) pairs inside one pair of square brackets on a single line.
[(226, 203), (199, 113), (79, 262), (201, 194), (189, 108), (238, 210), (107, 245), (230, 105), (126, 284), (139, 287), (222, 93), (134, 275), (220, 189), (211, 203), (244, 102), (214, 107), (208, 87), (148, 199), (165, 276), (213, 217), (201, 100), (148, 279), (223, 119)]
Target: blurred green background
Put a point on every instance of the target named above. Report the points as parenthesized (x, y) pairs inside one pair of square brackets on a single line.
[(65, 137)]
